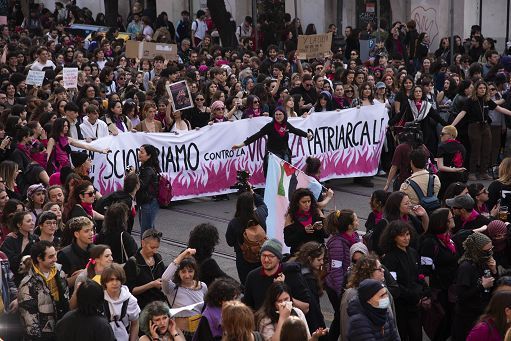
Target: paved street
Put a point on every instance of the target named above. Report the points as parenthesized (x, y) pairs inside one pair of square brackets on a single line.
[(177, 222)]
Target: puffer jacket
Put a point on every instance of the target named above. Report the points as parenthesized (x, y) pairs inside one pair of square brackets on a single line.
[(361, 328), (39, 311), (339, 261)]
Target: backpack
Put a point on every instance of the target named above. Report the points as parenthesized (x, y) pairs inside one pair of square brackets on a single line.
[(116, 318), (164, 190), (430, 201), (254, 237), (183, 30), (369, 238)]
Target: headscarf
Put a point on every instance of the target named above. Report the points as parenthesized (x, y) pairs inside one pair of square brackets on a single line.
[(473, 246)]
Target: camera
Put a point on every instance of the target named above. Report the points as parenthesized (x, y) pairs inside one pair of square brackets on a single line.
[(242, 184)]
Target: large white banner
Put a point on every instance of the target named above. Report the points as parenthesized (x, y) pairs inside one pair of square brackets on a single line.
[(202, 163)]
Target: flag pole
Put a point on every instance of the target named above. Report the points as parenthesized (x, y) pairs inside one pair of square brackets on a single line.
[(301, 171)]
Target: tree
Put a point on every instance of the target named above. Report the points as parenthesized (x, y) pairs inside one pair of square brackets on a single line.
[(222, 22), (111, 12)]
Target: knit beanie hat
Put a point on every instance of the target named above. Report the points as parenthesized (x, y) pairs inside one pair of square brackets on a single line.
[(274, 246), (358, 247), (326, 94), (78, 158), (368, 288), (496, 228), (473, 246)]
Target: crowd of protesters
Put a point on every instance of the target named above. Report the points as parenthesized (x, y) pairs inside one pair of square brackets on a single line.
[(436, 255)]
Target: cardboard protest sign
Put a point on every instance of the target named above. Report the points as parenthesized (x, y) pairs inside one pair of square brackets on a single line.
[(70, 76), (35, 78), (180, 95), (148, 50), (314, 46)]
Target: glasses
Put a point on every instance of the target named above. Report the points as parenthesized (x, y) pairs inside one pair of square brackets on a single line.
[(199, 99), (221, 108), (90, 194), (443, 133), (270, 256), (307, 84), (379, 269), (353, 53), (348, 90)]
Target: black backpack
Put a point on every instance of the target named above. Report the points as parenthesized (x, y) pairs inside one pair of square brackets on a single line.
[(430, 201), (116, 318), (184, 30)]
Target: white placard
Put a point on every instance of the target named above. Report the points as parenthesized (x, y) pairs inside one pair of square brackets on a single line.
[(70, 76), (35, 78)]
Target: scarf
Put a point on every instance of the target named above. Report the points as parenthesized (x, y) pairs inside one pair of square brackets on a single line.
[(280, 128), (119, 123), (214, 317), (377, 216), (482, 209), (405, 218), (470, 218), (304, 218), (445, 238), (377, 315), (87, 207), (350, 239), (419, 112)]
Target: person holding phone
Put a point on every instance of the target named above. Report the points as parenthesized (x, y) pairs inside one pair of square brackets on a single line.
[(304, 221)]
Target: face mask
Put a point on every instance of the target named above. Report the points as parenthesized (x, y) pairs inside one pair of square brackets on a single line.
[(384, 303), (487, 254)]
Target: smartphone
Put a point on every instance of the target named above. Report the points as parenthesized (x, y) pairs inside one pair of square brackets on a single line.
[(318, 225)]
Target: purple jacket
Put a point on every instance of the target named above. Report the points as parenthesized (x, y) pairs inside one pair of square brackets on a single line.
[(486, 331), (339, 260)]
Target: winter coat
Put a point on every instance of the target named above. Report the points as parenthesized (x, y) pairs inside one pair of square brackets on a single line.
[(339, 257), (149, 183), (485, 330), (96, 328), (12, 249), (38, 310), (361, 328)]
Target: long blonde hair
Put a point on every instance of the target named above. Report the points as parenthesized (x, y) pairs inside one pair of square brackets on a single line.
[(505, 171), (237, 322)]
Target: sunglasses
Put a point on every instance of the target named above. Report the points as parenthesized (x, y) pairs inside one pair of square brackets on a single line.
[(199, 99), (349, 90), (90, 194), (221, 108), (255, 102)]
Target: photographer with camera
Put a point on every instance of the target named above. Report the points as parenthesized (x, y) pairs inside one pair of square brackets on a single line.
[(278, 137), (250, 208), (410, 138)]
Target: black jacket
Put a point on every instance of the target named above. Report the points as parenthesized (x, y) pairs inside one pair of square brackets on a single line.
[(73, 258), (295, 235), (257, 285), (12, 249), (309, 96), (361, 328), (314, 317), (139, 273), (276, 144), (209, 270), (442, 272), (405, 265), (148, 185), (113, 239), (76, 326)]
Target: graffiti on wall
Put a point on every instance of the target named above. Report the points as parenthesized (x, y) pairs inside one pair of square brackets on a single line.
[(426, 19)]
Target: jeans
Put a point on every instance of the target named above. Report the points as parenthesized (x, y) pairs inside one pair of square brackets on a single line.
[(147, 215)]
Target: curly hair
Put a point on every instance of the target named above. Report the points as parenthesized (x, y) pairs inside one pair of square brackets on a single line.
[(394, 229), (294, 204), (309, 252), (203, 238), (116, 218), (222, 290), (79, 188), (362, 269), (339, 221), (156, 308)]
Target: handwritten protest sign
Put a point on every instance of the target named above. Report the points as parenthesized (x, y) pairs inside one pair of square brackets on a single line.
[(70, 77), (35, 78), (314, 46)]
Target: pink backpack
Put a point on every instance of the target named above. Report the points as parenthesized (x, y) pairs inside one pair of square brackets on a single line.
[(164, 190)]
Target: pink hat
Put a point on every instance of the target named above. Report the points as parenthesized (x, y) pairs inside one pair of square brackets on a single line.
[(203, 68), (216, 105)]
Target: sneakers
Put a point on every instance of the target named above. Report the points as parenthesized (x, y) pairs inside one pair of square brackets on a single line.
[(472, 177)]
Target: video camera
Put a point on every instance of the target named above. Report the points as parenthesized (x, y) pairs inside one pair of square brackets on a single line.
[(411, 133), (242, 184)]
